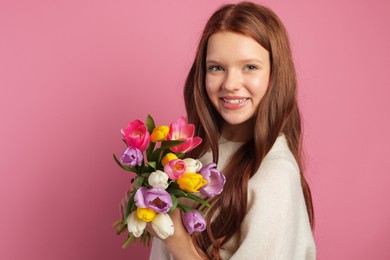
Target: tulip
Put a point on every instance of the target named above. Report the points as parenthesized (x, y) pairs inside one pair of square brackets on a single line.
[(135, 225), (215, 180), (191, 182), (131, 157), (175, 169), (182, 131), (159, 133), (167, 158), (163, 226), (193, 221), (157, 199), (192, 165), (146, 214), (158, 180), (136, 135)]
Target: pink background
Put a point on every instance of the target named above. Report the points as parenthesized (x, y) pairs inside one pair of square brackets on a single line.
[(72, 73)]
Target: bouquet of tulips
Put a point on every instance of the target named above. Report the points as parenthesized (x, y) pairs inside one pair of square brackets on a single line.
[(163, 175)]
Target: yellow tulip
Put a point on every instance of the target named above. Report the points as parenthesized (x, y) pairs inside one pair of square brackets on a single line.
[(146, 214), (191, 182), (167, 158), (159, 133)]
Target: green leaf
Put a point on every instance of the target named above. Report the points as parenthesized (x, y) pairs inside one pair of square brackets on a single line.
[(197, 199), (149, 237), (174, 203), (130, 238), (140, 169), (124, 167), (142, 239), (138, 182), (153, 165), (180, 155), (121, 228), (177, 192), (201, 212), (150, 124), (174, 185), (171, 143), (130, 206), (117, 223), (146, 175), (184, 207), (150, 149), (156, 155), (145, 238)]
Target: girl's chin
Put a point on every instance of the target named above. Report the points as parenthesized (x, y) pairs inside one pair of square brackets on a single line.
[(238, 120)]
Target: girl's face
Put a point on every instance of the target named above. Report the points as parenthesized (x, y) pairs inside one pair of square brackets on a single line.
[(237, 75)]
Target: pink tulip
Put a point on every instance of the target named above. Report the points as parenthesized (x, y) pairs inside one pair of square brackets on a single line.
[(182, 131), (136, 135), (175, 169)]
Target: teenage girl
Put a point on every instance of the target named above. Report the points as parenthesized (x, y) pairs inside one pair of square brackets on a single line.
[(241, 94)]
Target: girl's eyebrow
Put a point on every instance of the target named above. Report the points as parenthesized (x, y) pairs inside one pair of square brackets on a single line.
[(252, 60), (240, 61), (211, 61)]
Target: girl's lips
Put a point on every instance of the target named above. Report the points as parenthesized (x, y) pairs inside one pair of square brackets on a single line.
[(233, 103)]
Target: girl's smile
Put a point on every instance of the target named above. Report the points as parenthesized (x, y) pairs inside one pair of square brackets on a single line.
[(233, 102)]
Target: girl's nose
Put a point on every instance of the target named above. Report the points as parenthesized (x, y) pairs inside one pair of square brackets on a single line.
[(232, 81)]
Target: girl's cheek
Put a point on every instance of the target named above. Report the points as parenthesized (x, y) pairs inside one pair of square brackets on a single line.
[(212, 83)]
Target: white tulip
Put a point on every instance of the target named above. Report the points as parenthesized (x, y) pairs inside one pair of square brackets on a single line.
[(163, 225), (192, 165), (158, 179), (135, 225)]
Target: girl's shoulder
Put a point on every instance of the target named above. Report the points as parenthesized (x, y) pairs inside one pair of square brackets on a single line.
[(280, 154), (278, 167), (279, 159)]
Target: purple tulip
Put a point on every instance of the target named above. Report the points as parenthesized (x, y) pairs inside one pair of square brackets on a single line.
[(157, 199), (194, 221), (215, 180), (131, 157)]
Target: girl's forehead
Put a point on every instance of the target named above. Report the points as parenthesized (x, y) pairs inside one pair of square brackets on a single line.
[(234, 46)]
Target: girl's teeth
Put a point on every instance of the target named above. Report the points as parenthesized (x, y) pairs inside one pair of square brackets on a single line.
[(234, 101)]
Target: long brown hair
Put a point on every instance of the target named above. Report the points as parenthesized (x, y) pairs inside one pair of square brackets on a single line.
[(278, 112)]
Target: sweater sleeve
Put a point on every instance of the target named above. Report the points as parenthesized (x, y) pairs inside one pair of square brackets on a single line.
[(276, 225)]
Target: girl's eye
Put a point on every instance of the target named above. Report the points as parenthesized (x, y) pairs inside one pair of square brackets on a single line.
[(215, 68), (251, 67)]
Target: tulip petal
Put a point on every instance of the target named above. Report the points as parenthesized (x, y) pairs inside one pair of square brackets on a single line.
[(158, 179), (163, 226), (136, 135), (215, 180), (131, 157), (195, 142), (159, 200), (175, 168), (139, 197), (187, 131), (193, 222), (181, 130), (135, 225)]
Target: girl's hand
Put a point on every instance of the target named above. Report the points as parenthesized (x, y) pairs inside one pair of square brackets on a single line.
[(180, 243)]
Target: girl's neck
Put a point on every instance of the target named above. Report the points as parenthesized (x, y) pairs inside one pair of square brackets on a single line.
[(238, 133)]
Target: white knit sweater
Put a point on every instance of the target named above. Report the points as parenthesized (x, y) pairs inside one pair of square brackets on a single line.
[(276, 225)]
